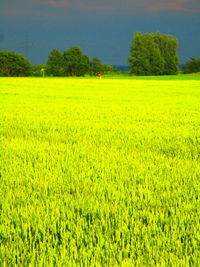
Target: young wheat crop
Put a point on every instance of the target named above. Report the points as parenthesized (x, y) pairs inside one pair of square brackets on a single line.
[(99, 172)]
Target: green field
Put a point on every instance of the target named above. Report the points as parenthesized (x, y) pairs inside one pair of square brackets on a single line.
[(163, 77), (99, 172)]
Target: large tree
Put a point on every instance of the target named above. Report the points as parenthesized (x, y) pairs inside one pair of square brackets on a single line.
[(13, 64), (153, 54), (55, 63), (75, 62)]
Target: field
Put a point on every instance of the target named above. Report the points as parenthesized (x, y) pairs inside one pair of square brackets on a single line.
[(99, 172)]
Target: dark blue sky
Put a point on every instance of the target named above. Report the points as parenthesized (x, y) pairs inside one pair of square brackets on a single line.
[(101, 28)]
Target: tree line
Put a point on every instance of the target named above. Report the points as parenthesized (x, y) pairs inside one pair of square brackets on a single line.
[(71, 62), (150, 54)]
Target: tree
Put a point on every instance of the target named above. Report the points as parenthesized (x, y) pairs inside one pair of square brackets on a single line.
[(107, 68), (169, 50), (192, 65), (96, 65), (75, 62), (55, 63), (153, 54), (99, 67), (13, 64), (38, 70)]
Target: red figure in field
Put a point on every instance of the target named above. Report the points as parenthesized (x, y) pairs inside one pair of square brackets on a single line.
[(100, 75)]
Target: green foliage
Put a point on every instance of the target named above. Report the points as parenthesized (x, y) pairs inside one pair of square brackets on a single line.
[(153, 54), (192, 65), (55, 64), (13, 64), (106, 69), (99, 67), (99, 172), (169, 50), (76, 63), (38, 70), (127, 75)]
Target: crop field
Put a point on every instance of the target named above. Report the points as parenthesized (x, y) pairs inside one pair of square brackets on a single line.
[(99, 172)]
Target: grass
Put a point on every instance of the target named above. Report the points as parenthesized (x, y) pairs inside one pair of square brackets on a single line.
[(99, 172)]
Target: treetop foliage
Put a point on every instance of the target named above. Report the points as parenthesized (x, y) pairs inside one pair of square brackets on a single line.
[(74, 63), (55, 64), (153, 54), (13, 64)]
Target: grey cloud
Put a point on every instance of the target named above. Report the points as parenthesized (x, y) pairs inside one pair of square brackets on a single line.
[(44, 9), (133, 5), (2, 36)]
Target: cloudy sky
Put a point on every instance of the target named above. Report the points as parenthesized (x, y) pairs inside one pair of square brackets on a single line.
[(102, 28)]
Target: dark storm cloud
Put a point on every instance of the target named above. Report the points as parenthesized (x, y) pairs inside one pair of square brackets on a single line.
[(59, 4), (2, 36)]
